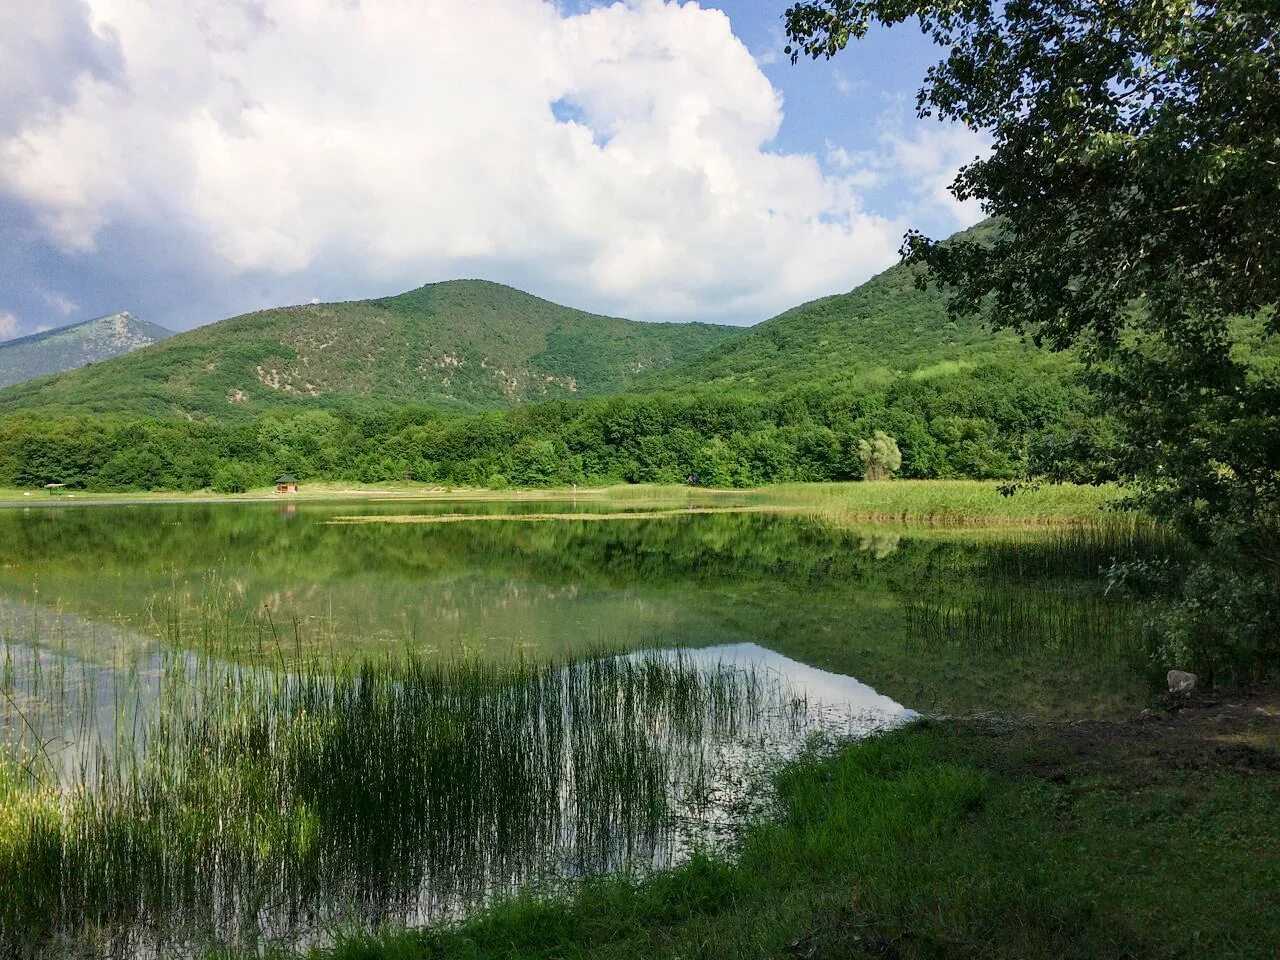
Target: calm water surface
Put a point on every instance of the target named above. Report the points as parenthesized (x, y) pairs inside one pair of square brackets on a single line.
[(265, 581), (726, 641)]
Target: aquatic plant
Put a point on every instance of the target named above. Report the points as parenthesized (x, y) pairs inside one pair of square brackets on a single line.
[(241, 805)]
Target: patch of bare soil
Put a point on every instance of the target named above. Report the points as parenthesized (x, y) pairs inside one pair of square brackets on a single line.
[(1240, 732)]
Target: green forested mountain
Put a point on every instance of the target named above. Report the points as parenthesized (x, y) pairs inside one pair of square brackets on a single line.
[(438, 385), (461, 345), (877, 332), (67, 348)]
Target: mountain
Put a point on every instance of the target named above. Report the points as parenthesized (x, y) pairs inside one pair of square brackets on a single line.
[(67, 348), (460, 345), (878, 331)]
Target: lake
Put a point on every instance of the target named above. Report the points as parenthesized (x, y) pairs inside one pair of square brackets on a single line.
[(253, 722)]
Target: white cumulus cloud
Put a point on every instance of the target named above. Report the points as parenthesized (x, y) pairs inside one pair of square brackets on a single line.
[(921, 165), (8, 325), (622, 158)]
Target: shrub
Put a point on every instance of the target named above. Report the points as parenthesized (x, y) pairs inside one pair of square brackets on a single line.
[(879, 456), (232, 478)]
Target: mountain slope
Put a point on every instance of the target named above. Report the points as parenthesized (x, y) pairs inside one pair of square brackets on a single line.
[(67, 348), (882, 328), (462, 345)]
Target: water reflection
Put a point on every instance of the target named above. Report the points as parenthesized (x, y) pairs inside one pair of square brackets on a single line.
[(255, 585), (847, 699), (202, 802)]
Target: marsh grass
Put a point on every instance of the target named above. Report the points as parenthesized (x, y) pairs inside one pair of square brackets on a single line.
[(950, 502), (268, 804), (996, 621)]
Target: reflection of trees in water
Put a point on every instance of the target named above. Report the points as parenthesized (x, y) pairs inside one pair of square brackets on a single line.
[(159, 539), (250, 583), (880, 545)]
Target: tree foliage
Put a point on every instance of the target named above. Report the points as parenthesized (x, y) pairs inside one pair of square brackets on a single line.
[(880, 457), (1135, 178), (1134, 182)]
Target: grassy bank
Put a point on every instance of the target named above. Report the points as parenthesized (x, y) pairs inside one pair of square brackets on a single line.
[(951, 502), (1149, 838), (331, 491), (943, 502), (317, 491)]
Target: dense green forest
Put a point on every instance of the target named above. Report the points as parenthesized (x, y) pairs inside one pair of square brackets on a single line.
[(978, 422)]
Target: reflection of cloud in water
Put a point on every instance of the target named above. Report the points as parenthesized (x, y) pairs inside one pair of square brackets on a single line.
[(819, 687)]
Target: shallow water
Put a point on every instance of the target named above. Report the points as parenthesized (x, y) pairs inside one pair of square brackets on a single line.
[(272, 582), (275, 662)]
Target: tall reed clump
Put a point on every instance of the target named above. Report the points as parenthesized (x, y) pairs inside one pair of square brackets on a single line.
[(236, 805), (1000, 620), (949, 502)]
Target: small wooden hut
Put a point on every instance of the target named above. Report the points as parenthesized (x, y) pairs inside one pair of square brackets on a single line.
[(286, 483)]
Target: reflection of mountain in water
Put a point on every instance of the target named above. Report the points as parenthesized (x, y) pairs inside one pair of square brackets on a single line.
[(255, 585)]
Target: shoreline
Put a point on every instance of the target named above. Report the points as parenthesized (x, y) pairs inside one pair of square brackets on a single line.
[(941, 503), (981, 836)]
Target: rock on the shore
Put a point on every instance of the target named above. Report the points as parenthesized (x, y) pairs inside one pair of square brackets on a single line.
[(1182, 682)]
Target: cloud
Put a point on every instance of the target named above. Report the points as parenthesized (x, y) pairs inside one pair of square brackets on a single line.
[(45, 49), (8, 325), (920, 166), (932, 157), (400, 142), (847, 85), (59, 302)]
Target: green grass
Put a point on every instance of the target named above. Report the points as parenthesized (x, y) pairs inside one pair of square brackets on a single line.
[(951, 502), (327, 491), (944, 840)]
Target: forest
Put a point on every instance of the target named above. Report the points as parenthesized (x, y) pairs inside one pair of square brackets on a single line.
[(985, 422)]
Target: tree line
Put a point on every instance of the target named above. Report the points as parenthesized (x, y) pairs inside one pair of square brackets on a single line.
[(981, 423)]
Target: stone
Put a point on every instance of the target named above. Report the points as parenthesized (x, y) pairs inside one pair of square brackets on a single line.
[(1182, 682)]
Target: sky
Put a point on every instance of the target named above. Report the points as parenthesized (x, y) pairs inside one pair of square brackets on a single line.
[(189, 160)]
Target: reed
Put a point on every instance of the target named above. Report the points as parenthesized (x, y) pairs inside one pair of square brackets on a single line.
[(949, 502), (244, 805), (1043, 592)]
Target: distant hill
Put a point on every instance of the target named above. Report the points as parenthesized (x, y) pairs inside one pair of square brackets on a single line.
[(884, 328), (461, 345), (67, 348)]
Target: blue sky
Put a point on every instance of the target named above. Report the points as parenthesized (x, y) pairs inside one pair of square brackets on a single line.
[(648, 159)]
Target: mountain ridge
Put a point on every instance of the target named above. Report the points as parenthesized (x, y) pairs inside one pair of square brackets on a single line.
[(456, 345), (75, 345), (885, 327)]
